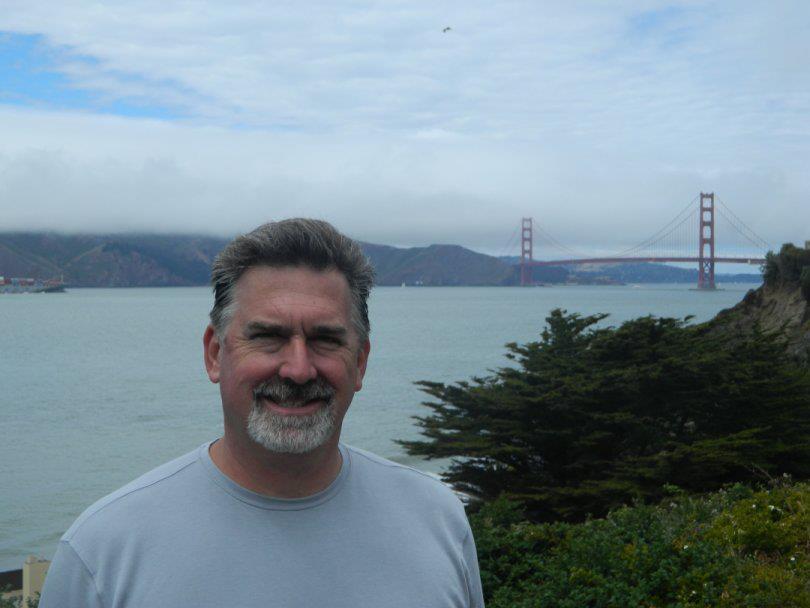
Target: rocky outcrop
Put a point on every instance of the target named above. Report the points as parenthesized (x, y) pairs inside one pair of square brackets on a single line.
[(779, 307)]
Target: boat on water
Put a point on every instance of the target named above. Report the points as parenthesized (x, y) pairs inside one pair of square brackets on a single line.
[(28, 285)]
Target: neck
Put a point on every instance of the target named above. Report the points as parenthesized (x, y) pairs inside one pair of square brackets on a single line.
[(274, 474)]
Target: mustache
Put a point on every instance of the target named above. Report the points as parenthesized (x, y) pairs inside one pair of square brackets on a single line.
[(291, 394)]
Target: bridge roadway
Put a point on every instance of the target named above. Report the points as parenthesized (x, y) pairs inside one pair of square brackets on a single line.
[(752, 261)]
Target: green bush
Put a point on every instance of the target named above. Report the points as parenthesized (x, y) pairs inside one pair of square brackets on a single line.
[(686, 552), (773, 521), (786, 266), (17, 601)]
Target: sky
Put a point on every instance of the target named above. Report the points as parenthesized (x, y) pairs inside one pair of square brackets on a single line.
[(600, 120)]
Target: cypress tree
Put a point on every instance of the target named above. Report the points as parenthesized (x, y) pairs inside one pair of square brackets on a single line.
[(591, 418)]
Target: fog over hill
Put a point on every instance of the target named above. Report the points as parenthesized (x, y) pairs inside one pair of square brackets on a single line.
[(148, 260)]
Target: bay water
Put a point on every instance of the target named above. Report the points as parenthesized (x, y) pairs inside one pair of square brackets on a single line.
[(100, 385)]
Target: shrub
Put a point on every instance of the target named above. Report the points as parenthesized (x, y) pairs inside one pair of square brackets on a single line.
[(770, 521), (683, 553), (16, 602), (787, 265)]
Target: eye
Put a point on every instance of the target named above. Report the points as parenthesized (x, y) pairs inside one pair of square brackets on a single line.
[(327, 341), (267, 338)]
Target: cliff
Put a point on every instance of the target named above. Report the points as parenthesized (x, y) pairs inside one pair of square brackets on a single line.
[(781, 304)]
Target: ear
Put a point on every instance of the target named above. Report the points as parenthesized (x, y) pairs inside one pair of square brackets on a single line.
[(362, 361), (211, 348)]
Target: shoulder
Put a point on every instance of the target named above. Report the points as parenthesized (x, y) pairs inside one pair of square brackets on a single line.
[(364, 458), (133, 500), (391, 494), (409, 483)]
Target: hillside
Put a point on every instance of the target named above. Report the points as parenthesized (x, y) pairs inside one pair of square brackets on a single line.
[(137, 260), (641, 272), (435, 265), (141, 260), (646, 272), (130, 260), (782, 303)]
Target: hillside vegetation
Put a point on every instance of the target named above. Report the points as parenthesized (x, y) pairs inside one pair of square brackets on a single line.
[(437, 265), (110, 260), (737, 547), (781, 305)]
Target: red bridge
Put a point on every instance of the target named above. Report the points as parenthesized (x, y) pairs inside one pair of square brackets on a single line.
[(664, 246)]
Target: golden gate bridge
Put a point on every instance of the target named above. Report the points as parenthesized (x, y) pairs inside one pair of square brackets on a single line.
[(694, 229)]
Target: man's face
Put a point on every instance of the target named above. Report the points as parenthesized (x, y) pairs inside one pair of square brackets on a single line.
[(289, 362)]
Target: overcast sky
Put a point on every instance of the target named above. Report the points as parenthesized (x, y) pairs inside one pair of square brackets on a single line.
[(601, 120)]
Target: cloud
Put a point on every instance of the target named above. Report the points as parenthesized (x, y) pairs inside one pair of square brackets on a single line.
[(505, 68), (601, 121)]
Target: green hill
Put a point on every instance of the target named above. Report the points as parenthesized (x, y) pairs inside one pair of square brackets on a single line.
[(150, 260), (130, 260), (143, 260)]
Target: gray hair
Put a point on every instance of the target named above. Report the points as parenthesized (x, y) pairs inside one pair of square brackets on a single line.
[(293, 242)]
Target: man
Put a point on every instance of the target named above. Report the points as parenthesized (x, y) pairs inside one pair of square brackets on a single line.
[(277, 512)]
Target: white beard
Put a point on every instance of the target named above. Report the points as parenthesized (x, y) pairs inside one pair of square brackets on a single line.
[(290, 434)]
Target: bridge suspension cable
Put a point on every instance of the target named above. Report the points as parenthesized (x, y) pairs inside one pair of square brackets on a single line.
[(683, 216), (688, 237), (555, 243), (742, 228), (510, 243)]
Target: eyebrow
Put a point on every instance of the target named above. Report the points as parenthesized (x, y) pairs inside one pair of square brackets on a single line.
[(255, 327), (334, 331)]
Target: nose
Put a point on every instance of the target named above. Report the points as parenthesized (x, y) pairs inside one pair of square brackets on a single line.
[(297, 365)]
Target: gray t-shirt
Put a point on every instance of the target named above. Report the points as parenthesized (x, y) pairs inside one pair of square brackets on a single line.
[(184, 534)]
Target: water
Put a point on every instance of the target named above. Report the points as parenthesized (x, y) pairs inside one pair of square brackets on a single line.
[(101, 385)]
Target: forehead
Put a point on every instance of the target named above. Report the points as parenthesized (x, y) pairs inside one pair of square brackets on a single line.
[(292, 291)]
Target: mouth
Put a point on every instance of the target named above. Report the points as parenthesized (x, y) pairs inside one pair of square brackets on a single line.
[(293, 408), (286, 398)]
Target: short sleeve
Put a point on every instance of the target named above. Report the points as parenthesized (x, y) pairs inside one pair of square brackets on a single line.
[(68, 583), (470, 557)]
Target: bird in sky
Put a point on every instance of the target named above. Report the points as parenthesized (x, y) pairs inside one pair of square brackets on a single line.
[(447, 29)]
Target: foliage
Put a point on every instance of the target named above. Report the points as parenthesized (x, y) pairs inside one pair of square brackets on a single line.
[(770, 269), (591, 419), (804, 281), (789, 265), (16, 602), (718, 550)]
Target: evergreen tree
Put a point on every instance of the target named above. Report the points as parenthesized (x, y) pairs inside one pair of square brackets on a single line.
[(590, 418)]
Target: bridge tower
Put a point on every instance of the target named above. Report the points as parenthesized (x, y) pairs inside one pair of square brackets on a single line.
[(706, 240), (526, 252)]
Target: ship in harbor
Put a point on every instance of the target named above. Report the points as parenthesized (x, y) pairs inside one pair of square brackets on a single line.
[(27, 285)]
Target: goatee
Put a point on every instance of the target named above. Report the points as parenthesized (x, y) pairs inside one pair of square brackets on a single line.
[(294, 434)]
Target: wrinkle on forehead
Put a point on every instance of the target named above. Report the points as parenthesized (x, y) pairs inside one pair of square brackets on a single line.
[(283, 294)]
